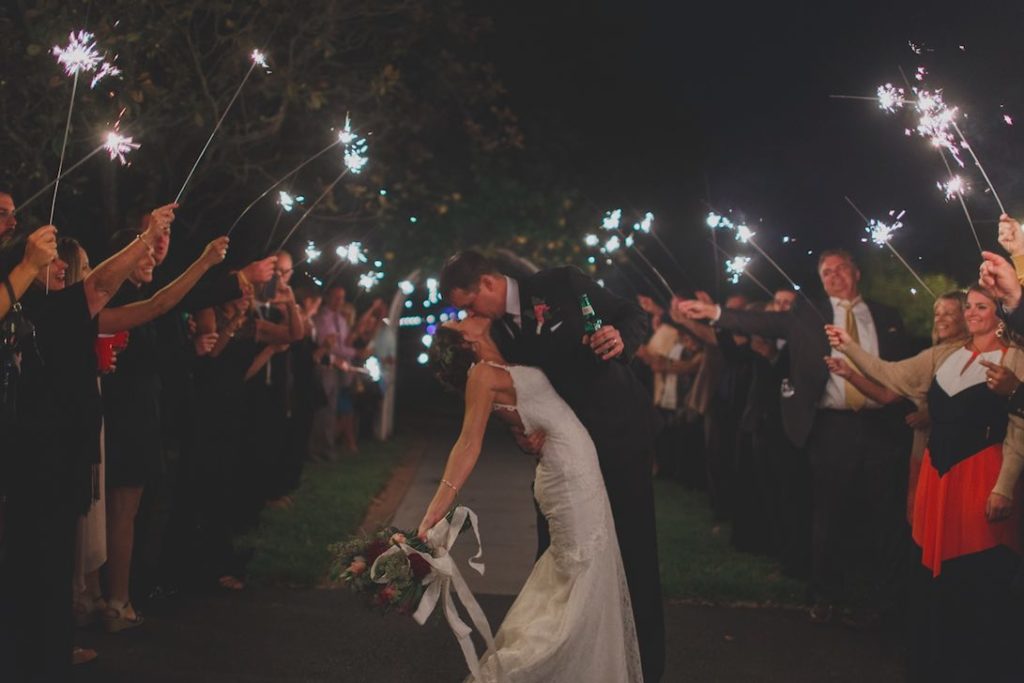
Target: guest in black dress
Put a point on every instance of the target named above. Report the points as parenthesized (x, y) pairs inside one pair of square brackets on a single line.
[(53, 447), (131, 407)]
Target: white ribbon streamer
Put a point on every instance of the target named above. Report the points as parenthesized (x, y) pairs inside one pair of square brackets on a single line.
[(443, 577)]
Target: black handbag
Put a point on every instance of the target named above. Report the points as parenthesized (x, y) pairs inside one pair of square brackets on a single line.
[(17, 337)]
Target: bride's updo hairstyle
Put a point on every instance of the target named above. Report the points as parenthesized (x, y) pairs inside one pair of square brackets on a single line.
[(451, 357)]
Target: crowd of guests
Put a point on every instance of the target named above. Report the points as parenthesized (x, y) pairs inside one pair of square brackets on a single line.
[(884, 474), (149, 415)]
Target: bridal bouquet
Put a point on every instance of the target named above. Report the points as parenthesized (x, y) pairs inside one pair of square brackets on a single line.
[(391, 582), (397, 570)]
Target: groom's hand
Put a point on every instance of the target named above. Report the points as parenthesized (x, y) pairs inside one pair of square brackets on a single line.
[(606, 343), (529, 443)]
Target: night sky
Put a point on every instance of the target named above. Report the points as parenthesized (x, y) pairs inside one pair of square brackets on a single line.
[(668, 103)]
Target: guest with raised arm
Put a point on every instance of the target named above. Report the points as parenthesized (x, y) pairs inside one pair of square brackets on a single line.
[(966, 525), (51, 452)]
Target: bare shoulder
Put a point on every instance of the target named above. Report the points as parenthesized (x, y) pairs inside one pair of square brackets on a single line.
[(486, 376)]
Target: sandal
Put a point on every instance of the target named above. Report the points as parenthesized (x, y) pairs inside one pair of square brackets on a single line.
[(82, 655), (231, 583), (115, 620)]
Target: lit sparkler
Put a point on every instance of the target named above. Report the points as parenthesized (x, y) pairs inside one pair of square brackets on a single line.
[(736, 267), (373, 368), (287, 201), (591, 240), (79, 56), (744, 234), (644, 225), (612, 245), (118, 146), (353, 253), (406, 287), (258, 59), (954, 187), (881, 234), (356, 148), (115, 144), (890, 98), (312, 252), (611, 220), (280, 180), (369, 279)]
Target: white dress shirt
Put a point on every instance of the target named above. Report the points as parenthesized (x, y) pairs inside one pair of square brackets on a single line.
[(512, 306), (835, 390)]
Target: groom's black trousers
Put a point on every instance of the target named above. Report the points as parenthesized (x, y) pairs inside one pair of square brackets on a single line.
[(631, 494)]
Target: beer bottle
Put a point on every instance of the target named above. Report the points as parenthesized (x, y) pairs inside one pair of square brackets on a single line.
[(591, 323)]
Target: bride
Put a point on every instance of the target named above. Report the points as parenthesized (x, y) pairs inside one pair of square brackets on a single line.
[(572, 620)]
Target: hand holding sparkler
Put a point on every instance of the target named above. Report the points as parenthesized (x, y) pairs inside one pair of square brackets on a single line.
[(695, 309), (1011, 237), (41, 248), (838, 338), (998, 277), (259, 272), (215, 252)]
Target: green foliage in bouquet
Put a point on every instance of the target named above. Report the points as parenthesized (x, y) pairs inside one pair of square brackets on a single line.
[(396, 582)]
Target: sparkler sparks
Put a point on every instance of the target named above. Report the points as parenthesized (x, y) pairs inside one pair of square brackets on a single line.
[(1008, 119), (716, 221), (736, 267), (312, 252), (937, 122), (612, 245), (890, 98), (373, 369), (406, 287), (118, 146), (79, 55), (369, 279), (591, 240), (356, 148), (353, 253), (644, 226), (744, 234), (288, 201), (954, 187), (881, 234), (611, 220), (260, 59)]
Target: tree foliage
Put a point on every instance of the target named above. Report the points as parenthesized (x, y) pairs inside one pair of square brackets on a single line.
[(886, 280), (445, 146)]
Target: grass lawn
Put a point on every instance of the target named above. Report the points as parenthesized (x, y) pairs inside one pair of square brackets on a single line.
[(290, 546), (698, 563)]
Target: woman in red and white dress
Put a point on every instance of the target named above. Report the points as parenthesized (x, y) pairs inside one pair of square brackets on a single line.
[(965, 523)]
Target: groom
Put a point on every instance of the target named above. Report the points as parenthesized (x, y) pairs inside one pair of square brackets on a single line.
[(538, 321)]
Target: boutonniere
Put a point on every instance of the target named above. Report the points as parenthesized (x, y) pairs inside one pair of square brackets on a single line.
[(540, 308)]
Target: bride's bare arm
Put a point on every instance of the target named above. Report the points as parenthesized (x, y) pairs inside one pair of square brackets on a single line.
[(462, 459)]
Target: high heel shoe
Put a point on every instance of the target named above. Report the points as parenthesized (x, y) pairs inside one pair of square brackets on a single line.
[(116, 620)]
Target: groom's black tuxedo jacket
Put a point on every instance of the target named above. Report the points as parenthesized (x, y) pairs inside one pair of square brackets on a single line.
[(606, 396), (803, 328)]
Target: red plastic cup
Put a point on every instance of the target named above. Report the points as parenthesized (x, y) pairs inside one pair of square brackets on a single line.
[(106, 346)]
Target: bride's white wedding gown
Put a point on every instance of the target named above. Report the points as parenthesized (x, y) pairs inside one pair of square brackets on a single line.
[(572, 620)]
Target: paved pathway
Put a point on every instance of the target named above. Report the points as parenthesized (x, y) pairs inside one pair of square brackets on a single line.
[(499, 492), (290, 636)]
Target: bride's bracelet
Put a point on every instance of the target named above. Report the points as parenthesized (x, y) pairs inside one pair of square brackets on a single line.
[(450, 485)]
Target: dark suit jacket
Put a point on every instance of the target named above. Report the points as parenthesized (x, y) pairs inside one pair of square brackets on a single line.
[(606, 396), (803, 328)]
